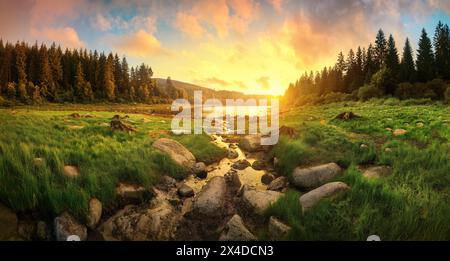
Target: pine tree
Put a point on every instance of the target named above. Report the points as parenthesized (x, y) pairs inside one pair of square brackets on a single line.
[(381, 49), (392, 62), (407, 67), (20, 56), (45, 77), (125, 83), (108, 79), (425, 59), (442, 50), (369, 64)]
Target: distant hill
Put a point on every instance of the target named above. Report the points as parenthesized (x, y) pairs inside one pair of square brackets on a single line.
[(189, 88)]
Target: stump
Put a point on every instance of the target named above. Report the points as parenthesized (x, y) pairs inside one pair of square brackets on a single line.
[(348, 115), (117, 124)]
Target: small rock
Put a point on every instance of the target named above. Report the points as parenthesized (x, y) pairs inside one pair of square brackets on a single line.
[(388, 129), (399, 132), (258, 165), (130, 192), (251, 143), (185, 191), (71, 171), (232, 146), (168, 181), (38, 162), (377, 171), (420, 125), (364, 146), (232, 180), (309, 178), (277, 229), (241, 164), (278, 184), (66, 225), (200, 170), (95, 213), (235, 230), (387, 150), (267, 178), (311, 198), (75, 127), (259, 200), (232, 154)]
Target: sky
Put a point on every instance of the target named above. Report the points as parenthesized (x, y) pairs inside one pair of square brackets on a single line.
[(246, 45)]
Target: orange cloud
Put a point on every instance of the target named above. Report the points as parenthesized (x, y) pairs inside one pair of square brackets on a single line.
[(188, 24), (140, 44), (65, 36), (276, 4)]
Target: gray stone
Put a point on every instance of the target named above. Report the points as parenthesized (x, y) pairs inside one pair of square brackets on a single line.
[(251, 143), (278, 184), (309, 178), (71, 171), (185, 191), (176, 151), (311, 198), (232, 180), (200, 170), (210, 201), (130, 192), (377, 172), (277, 229), (258, 200), (66, 225), (235, 230)]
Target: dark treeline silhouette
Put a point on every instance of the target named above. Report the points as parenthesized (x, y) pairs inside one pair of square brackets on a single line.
[(36, 74), (377, 71)]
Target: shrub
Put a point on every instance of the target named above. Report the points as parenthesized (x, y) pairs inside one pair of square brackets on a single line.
[(405, 90), (369, 91), (384, 80), (438, 87)]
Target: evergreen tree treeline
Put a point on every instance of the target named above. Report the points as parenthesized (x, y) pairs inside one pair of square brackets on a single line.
[(34, 74), (378, 70)]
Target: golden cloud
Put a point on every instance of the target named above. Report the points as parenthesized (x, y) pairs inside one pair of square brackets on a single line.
[(139, 44)]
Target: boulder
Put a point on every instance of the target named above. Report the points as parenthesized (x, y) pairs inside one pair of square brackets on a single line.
[(309, 178), (399, 132), (258, 200), (185, 191), (133, 223), (8, 223), (267, 178), (311, 198), (258, 165), (210, 201), (232, 154), (176, 151), (131, 193), (95, 213), (377, 172), (241, 164), (251, 143), (66, 225), (278, 184), (235, 230), (277, 230), (71, 171)]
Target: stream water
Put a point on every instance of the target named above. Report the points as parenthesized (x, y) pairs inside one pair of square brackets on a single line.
[(248, 176)]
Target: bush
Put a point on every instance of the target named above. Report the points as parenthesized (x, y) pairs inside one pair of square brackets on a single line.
[(405, 90), (369, 91), (447, 94), (384, 80), (438, 87), (418, 90)]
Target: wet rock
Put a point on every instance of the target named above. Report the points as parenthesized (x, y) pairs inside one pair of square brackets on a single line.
[(235, 230), (71, 171), (232, 154), (311, 198), (131, 193), (233, 181), (133, 223), (278, 184), (176, 151), (185, 191), (309, 178), (241, 164), (200, 170), (377, 172), (267, 178), (95, 213), (258, 200), (66, 225), (258, 165), (399, 132), (277, 229), (210, 201), (251, 143)]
